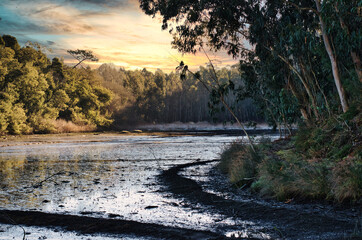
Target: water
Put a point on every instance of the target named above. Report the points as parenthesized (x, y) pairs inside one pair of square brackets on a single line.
[(106, 175)]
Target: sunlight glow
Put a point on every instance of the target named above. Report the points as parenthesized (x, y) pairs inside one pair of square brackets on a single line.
[(119, 33)]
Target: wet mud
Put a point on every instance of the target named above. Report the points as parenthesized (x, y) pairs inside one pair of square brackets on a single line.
[(158, 186), (88, 225), (278, 221)]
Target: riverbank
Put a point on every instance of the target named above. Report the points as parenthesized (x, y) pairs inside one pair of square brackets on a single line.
[(166, 182), (253, 218), (318, 163)]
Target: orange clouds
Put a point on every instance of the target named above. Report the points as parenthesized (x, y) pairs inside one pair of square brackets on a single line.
[(118, 33)]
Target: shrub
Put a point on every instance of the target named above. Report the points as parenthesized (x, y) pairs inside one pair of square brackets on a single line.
[(240, 163), (346, 179), (62, 126)]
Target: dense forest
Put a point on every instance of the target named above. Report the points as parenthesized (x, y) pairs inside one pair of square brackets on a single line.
[(141, 95), (300, 61), (39, 95)]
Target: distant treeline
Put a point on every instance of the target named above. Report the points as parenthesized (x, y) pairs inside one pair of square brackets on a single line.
[(39, 95), (141, 95)]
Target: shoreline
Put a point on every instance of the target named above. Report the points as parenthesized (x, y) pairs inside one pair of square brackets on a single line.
[(272, 219)]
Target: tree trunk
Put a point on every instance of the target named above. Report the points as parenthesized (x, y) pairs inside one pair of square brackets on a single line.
[(300, 100), (357, 65), (319, 87), (332, 57), (309, 91), (306, 87)]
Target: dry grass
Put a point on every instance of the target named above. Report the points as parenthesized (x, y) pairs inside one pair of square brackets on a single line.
[(62, 126), (279, 171), (240, 163)]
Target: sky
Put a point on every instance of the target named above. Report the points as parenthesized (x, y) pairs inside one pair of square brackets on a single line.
[(117, 32)]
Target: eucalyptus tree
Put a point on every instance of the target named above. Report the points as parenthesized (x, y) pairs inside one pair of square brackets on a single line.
[(291, 34)]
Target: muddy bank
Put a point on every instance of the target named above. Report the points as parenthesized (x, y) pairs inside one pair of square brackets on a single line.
[(88, 225), (278, 220), (152, 186), (267, 220)]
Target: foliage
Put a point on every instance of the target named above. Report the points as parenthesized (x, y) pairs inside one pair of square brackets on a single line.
[(46, 92), (284, 63), (141, 95), (82, 55), (35, 91), (318, 163), (240, 162)]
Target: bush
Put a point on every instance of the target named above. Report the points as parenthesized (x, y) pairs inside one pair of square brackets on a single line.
[(240, 162), (346, 179), (62, 126), (318, 163)]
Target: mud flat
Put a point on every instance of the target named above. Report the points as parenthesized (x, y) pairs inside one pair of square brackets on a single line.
[(143, 186)]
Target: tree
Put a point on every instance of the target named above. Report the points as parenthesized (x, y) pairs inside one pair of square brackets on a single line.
[(82, 55), (332, 57), (11, 42), (35, 92), (287, 31)]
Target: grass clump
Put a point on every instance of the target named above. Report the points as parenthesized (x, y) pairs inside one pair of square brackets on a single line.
[(240, 162), (62, 126), (323, 162)]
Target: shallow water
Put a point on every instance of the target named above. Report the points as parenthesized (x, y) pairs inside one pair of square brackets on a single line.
[(107, 176)]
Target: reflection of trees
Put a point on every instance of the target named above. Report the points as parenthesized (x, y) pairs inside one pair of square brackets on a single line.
[(28, 180)]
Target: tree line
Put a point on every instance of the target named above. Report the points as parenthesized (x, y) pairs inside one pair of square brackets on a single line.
[(299, 59), (37, 94), (143, 96)]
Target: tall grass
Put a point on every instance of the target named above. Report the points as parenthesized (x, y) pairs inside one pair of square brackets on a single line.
[(62, 126), (240, 162), (318, 163)]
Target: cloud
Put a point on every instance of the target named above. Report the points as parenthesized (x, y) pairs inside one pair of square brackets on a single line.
[(102, 3), (46, 9), (116, 31)]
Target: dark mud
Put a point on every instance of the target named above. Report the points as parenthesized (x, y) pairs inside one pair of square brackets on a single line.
[(279, 221), (269, 220), (89, 225)]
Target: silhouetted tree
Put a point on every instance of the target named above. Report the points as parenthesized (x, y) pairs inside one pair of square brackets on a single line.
[(82, 55)]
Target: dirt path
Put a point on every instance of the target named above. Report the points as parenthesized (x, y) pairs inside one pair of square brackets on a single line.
[(276, 221)]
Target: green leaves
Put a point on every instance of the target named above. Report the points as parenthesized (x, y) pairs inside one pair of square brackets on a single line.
[(82, 55), (183, 69), (34, 91)]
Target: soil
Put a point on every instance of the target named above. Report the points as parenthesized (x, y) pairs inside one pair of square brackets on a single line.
[(279, 220)]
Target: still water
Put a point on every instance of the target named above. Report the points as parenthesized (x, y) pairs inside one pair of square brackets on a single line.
[(104, 175)]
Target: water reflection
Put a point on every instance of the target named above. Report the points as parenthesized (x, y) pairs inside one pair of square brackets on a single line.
[(104, 175)]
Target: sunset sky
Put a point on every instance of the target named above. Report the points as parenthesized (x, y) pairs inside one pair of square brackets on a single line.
[(117, 31)]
